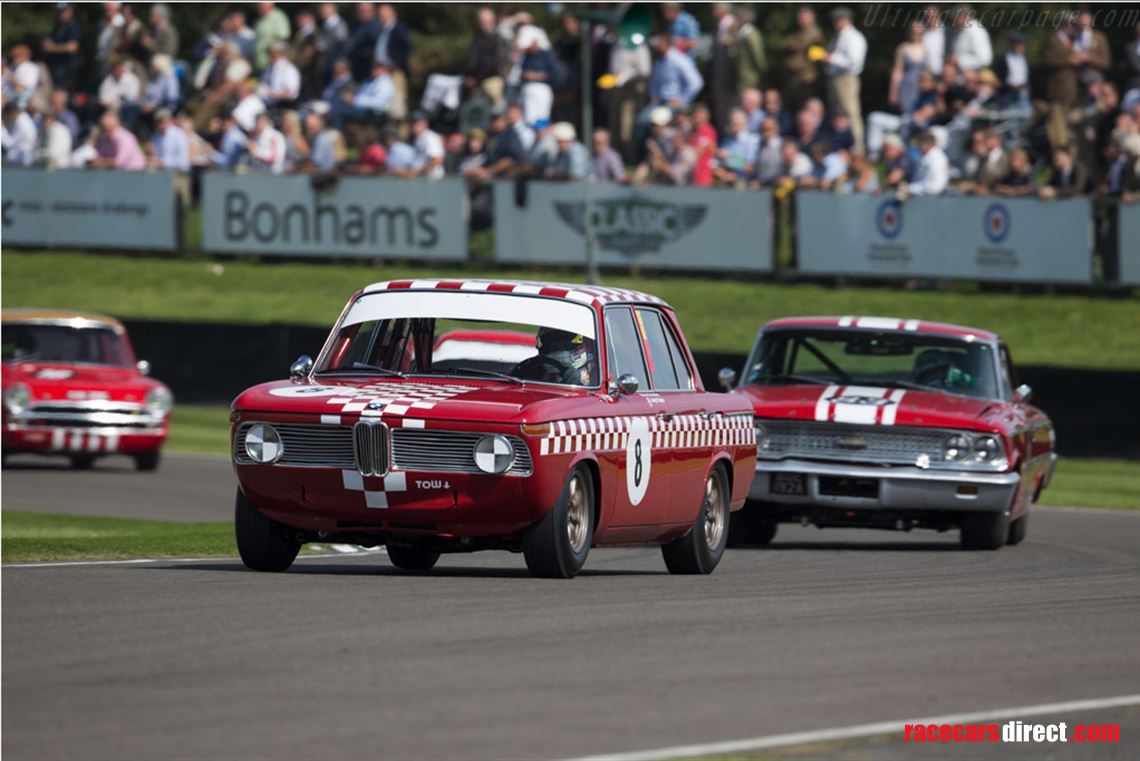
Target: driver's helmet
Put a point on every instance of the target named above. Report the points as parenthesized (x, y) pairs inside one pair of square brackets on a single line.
[(570, 349), (938, 366)]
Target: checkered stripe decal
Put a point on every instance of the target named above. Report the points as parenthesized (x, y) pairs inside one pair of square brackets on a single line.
[(679, 432), (397, 399), (580, 293), (82, 440), (376, 498)]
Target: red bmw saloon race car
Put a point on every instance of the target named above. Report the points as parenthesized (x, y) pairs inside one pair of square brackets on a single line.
[(72, 386), (595, 430), (886, 423)]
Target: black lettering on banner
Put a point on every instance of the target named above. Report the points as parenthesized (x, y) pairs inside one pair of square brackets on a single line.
[(354, 225), (237, 204), (324, 209), (390, 215), (433, 237), (287, 226), (265, 211)]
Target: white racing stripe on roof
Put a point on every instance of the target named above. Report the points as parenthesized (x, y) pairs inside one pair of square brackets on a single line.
[(880, 323), (845, 321)]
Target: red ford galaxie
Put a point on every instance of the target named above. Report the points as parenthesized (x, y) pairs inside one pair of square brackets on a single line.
[(72, 386), (886, 423), (459, 415)]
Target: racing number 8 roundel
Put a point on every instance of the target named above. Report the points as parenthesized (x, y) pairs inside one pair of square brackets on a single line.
[(637, 460)]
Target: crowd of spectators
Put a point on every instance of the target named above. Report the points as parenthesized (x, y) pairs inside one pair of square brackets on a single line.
[(310, 90)]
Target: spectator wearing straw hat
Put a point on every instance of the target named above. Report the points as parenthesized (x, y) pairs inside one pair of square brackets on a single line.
[(572, 161)]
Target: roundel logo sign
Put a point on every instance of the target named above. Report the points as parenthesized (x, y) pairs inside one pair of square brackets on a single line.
[(995, 223), (888, 218)]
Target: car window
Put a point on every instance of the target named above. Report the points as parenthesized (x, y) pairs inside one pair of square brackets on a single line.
[(667, 364), (623, 346)]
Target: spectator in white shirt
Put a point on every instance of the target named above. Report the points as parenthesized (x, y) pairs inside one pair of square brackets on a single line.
[(933, 38), (844, 66), (429, 148), (171, 144), (249, 105), (266, 146), (972, 48), (121, 87), (23, 75), (57, 142), (1013, 71), (281, 82), (795, 164), (20, 137), (933, 174)]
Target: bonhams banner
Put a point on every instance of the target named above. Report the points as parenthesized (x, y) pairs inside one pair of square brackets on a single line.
[(355, 216), (89, 208), (971, 238), (667, 228)]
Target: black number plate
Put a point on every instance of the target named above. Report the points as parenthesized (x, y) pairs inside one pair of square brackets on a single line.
[(791, 484)]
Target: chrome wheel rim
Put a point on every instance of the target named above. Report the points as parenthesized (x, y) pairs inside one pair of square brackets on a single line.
[(577, 513), (713, 512)]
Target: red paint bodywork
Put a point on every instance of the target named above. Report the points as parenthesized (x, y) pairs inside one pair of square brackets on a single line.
[(315, 499)]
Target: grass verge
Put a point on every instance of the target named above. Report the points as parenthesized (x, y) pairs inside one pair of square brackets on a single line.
[(201, 429), (717, 314), (34, 537)]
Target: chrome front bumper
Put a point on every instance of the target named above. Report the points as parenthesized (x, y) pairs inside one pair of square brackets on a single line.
[(899, 487)]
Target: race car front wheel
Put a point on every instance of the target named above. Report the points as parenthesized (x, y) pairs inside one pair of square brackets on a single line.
[(750, 527), (263, 543), (146, 462), (557, 545), (412, 558), (701, 550), (1017, 530), (984, 531)]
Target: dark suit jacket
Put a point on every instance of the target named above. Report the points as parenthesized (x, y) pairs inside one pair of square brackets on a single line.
[(1061, 79)]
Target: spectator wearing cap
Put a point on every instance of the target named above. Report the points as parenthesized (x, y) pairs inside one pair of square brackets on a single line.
[(327, 149), (932, 176), (61, 47), (171, 144), (1012, 70), (537, 71), (20, 136), (682, 26), (738, 150), (266, 146), (487, 60), (117, 147), (281, 81), (572, 161), (394, 49), (429, 148), (272, 26), (844, 62), (607, 163), (972, 49), (801, 72)]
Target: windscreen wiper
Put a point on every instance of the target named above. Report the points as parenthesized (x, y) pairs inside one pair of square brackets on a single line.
[(363, 367), (488, 373), (795, 379)]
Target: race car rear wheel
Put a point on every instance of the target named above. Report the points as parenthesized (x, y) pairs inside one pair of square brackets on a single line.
[(146, 462), (263, 543), (412, 558), (750, 527), (701, 550), (1017, 530), (557, 545), (82, 461), (984, 531)]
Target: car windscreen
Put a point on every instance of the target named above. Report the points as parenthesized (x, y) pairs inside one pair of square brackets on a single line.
[(29, 342), (899, 360), (509, 338)]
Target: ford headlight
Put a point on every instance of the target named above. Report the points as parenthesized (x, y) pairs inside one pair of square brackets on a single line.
[(263, 444), (159, 401), (761, 437), (17, 398), (987, 449), (956, 447), (494, 454)]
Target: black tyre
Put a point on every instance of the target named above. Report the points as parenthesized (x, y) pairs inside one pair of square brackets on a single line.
[(701, 550), (557, 545), (750, 527), (263, 543), (1018, 530), (147, 461), (82, 461), (412, 558), (984, 531)]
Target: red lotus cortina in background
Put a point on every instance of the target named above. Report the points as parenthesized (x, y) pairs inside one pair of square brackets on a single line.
[(885, 423), (451, 416), (71, 386)]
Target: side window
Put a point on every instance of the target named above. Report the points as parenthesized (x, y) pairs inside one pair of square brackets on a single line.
[(667, 365), (623, 346), (1008, 377)]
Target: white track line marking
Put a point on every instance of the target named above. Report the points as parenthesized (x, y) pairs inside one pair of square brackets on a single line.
[(143, 561), (860, 730)]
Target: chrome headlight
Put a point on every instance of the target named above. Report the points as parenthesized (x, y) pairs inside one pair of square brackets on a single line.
[(761, 437), (494, 454), (159, 401), (956, 447), (17, 398), (263, 443), (987, 448)]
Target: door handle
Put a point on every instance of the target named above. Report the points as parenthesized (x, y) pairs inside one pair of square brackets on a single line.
[(666, 416), (708, 415)]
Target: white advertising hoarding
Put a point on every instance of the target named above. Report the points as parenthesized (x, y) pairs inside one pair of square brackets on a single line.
[(974, 238), (357, 216), (666, 228), (1128, 229), (89, 208)]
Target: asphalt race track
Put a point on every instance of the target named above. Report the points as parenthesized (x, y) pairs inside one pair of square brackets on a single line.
[(346, 658)]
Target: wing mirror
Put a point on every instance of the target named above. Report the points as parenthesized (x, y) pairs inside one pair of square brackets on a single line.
[(143, 367), (627, 384), (727, 378), (1022, 394), (301, 367)]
